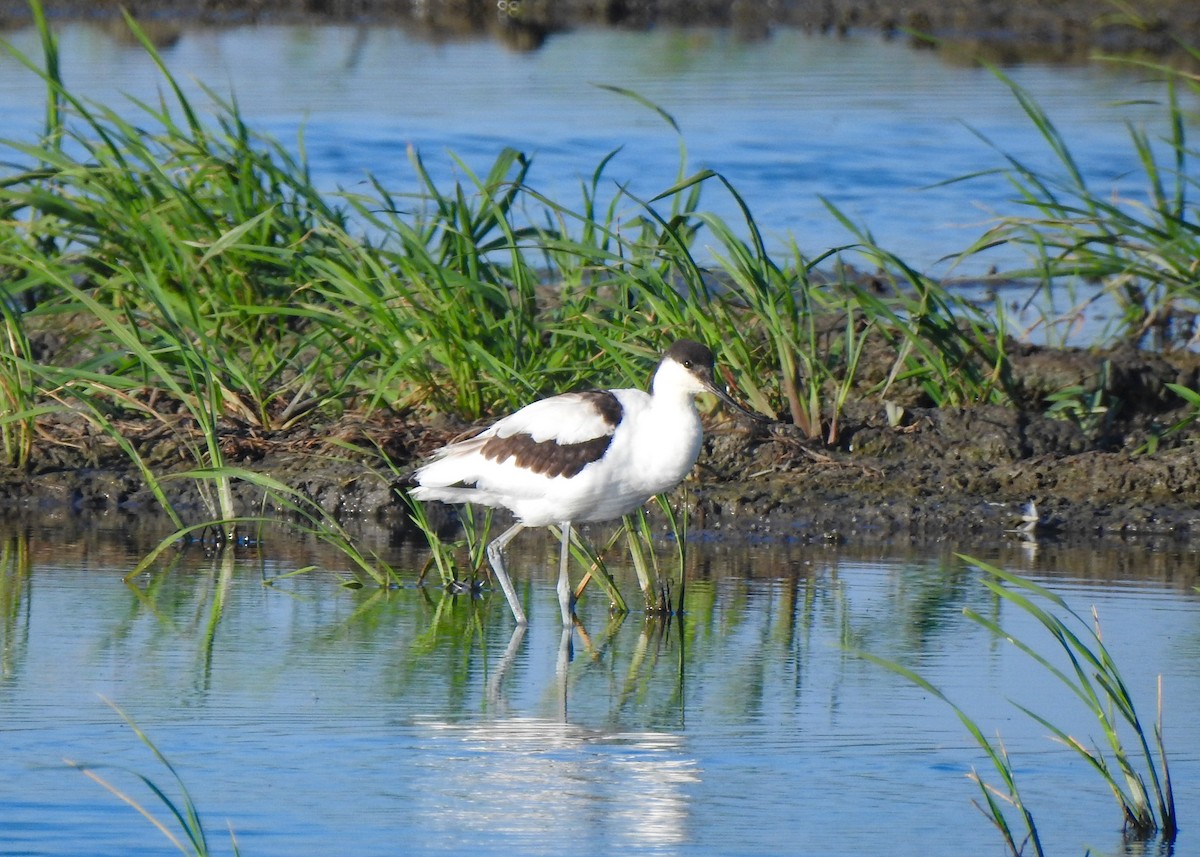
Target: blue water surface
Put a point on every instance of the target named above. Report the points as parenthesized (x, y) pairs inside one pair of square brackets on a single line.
[(308, 717)]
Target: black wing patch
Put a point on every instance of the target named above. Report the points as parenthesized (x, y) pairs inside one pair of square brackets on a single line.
[(551, 458)]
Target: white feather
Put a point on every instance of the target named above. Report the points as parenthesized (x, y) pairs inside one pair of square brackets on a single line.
[(567, 418)]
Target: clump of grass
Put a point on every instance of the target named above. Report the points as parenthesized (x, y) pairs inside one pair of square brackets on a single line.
[(1091, 408), (1081, 236), (456, 287), (193, 236), (1139, 778)]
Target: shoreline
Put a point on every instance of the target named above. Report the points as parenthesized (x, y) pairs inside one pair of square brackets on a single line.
[(935, 474), (1072, 30)]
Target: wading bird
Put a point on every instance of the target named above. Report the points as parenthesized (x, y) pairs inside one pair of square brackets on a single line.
[(579, 457)]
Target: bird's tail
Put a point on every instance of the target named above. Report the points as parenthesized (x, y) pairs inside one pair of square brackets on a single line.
[(447, 494)]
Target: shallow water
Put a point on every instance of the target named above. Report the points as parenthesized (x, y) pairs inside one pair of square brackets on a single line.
[(873, 126), (309, 717)]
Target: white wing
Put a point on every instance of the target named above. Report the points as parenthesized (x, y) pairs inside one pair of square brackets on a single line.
[(567, 418)]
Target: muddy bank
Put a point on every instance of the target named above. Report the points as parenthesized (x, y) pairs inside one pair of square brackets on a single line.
[(918, 475), (1007, 30)]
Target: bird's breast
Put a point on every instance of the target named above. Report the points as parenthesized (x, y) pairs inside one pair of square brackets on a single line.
[(660, 448)]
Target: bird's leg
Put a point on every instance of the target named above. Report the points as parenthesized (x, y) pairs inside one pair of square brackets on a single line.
[(566, 651), (495, 552), (564, 579)]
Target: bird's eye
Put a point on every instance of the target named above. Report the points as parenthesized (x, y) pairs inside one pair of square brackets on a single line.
[(687, 364)]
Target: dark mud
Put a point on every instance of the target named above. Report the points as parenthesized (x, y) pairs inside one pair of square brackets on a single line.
[(999, 29), (930, 475)]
